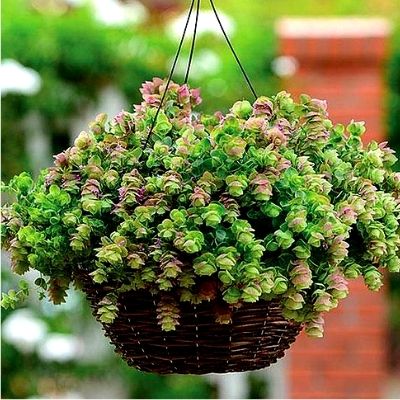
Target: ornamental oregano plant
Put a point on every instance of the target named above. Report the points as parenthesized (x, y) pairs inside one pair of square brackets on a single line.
[(269, 201)]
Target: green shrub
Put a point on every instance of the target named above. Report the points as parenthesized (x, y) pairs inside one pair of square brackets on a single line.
[(76, 57)]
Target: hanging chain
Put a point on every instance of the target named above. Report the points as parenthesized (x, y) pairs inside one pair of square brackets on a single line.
[(192, 48)]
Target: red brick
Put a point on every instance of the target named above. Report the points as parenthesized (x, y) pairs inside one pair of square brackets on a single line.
[(326, 361), (368, 395), (351, 340), (370, 50), (350, 361), (346, 382), (316, 395)]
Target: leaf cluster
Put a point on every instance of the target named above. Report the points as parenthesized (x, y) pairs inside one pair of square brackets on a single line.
[(268, 201)]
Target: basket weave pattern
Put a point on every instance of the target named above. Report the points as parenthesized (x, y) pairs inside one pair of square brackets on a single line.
[(256, 338)]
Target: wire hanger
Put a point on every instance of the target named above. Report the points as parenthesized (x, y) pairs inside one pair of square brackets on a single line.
[(192, 48)]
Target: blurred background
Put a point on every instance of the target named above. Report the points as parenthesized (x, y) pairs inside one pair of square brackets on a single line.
[(65, 60)]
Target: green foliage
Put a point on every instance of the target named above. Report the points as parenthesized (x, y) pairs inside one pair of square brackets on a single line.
[(76, 57), (269, 202), (108, 309), (12, 298)]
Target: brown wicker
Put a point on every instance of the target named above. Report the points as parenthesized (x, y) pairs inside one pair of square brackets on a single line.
[(256, 338)]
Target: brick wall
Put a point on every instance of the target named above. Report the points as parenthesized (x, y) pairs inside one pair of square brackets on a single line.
[(341, 61)]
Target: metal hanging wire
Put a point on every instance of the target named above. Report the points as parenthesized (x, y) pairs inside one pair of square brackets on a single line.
[(192, 48), (246, 77), (171, 73)]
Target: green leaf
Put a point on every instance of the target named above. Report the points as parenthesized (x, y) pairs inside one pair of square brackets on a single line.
[(41, 283)]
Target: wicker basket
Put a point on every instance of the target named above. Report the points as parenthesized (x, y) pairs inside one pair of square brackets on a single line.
[(256, 338)]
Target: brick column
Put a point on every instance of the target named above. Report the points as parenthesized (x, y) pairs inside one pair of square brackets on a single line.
[(341, 60)]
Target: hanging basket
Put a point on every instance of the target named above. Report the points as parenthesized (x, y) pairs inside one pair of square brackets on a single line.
[(256, 338), (205, 243), (257, 335)]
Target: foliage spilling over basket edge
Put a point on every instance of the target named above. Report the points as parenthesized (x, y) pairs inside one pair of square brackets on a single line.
[(271, 200)]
